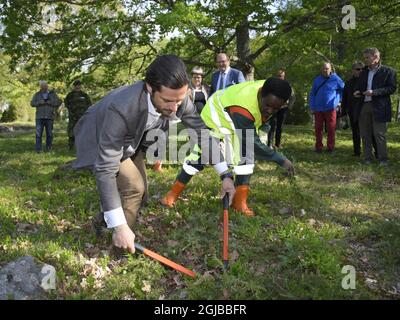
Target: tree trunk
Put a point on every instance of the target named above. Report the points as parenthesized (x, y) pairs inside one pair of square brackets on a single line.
[(243, 50), (341, 52), (341, 47)]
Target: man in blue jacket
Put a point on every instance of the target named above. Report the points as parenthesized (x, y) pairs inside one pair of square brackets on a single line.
[(225, 76), (325, 96), (376, 84)]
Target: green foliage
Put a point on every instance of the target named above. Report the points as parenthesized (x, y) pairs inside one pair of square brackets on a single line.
[(15, 90), (300, 113), (108, 43), (302, 51), (10, 114)]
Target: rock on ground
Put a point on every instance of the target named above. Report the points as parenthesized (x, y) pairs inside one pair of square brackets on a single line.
[(5, 129), (26, 279)]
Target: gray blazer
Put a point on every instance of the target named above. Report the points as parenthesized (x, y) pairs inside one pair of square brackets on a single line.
[(113, 130)]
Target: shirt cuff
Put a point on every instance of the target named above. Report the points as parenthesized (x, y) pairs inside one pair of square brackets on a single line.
[(189, 169), (221, 167), (244, 170), (114, 218)]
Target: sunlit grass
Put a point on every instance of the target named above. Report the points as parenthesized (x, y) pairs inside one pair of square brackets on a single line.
[(335, 212)]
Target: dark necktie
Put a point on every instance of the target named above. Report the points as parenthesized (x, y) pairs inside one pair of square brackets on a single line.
[(221, 82)]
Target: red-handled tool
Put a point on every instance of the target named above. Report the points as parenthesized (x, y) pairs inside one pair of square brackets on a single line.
[(165, 261), (225, 202)]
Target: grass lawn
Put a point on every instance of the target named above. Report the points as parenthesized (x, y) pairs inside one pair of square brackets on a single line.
[(335, 212)]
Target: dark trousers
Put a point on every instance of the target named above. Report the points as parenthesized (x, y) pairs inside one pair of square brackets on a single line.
[(71, 142), (371, 128), (41, 124), (185, 178), (355, 130), (276, 123)]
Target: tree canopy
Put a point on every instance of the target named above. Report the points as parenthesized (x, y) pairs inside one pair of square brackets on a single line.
[(110, 42)]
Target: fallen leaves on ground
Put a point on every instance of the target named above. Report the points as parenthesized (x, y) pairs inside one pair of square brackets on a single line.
[(96, 271), (146, 286)]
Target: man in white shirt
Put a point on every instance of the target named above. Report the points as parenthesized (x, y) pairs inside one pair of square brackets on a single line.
[(225, 76), (111, 139), (374, 87)]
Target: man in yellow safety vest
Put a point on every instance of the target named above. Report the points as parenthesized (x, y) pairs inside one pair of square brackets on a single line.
[(236, 115)]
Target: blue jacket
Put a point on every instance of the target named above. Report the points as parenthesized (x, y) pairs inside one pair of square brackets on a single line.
[(329, 94), (234, 76)]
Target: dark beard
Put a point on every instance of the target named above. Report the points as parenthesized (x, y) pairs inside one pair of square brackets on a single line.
[(167, 116)]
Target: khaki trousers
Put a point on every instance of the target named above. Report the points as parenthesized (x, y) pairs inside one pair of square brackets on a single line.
[(132, 186)]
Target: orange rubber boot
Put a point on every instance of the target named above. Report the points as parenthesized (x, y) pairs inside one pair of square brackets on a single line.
[(239, 202), (157, 166), (172, 195)]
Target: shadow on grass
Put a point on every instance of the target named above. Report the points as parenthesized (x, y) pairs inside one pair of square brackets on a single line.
[(279, 253)]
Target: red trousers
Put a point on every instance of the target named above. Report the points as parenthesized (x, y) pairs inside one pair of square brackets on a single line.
[(329, 117)]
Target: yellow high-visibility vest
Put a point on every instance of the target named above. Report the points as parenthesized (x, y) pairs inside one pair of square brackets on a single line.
[(216, 118)]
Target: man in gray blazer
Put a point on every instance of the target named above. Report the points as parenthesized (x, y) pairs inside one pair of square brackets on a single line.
[(111, 137)]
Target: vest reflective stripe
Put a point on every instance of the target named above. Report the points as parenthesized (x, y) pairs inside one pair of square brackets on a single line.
[(195, 154), (189, 169), (243, 170), (216, 118), (244, 95)]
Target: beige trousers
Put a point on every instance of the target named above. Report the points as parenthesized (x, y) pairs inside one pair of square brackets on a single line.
[(132, 186)]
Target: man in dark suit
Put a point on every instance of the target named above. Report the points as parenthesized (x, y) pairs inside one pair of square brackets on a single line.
[(225, 76), (377, 82), (277, 120), (351, 107)]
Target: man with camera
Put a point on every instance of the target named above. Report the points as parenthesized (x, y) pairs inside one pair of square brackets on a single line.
[(376, 83), (46, 102)]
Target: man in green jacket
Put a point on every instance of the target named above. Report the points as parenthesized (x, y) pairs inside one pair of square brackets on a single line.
[(77, 102), (46, 102), (236, 115)]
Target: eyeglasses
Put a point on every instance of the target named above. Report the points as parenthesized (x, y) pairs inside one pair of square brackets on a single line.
[(358, 69)]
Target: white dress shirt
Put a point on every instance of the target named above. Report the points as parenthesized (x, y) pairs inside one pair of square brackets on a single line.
[(371, 75), (116, 217)]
